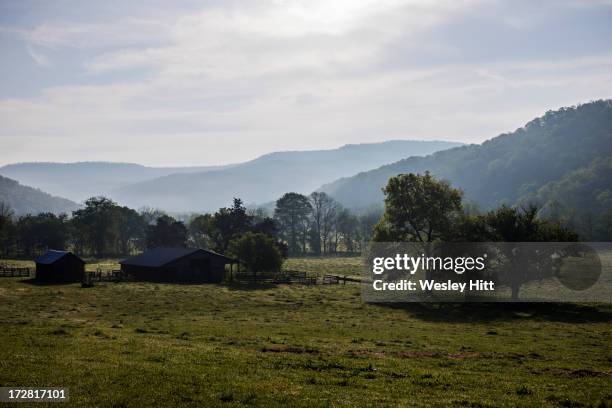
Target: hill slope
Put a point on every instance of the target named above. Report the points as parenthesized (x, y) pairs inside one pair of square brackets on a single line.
[(506, 169), (268, 177), (82, 180), (24, 199)]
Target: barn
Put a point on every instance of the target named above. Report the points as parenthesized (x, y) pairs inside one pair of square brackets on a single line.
[(177, 265), (59, 267)]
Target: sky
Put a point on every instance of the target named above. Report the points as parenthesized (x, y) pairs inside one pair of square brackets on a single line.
[(210, 82)]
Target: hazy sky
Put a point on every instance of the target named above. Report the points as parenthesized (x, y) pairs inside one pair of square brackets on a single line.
[(173, 83)]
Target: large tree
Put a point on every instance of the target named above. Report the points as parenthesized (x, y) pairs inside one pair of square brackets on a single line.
[(228, 224), (292, 212), (524, 262), (37, 233), (258, 252), (98, 225), (324, 214), (166, 232), (418, 208)]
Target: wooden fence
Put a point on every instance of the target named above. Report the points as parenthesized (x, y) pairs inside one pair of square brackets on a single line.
[(14, 272), (293, 277), (115, 275), (287, 277)]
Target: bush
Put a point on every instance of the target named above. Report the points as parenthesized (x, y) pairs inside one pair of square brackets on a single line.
[(258, 252)]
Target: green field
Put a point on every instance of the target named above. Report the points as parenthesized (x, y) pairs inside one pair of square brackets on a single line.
[(141, 344)]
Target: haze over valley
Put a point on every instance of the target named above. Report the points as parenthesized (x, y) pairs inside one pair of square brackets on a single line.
[(191, 189), (561, 161)]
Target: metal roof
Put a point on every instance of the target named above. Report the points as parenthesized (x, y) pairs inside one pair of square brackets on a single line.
[(161, 256), (51, 256)]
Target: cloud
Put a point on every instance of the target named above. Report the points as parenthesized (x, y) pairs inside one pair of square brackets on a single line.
[(97, 35), (236, 79), (280, 37), (39, 58)]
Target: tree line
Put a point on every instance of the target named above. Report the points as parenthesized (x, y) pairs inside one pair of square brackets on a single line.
[(421, 208), (418, 208), (314, 224)]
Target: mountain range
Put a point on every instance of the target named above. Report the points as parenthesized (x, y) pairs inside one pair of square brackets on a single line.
[(267, 177), (189, 189), (81, 180), (561, 159), (548, 161)]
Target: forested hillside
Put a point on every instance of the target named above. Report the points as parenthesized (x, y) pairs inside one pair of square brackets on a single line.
[(27, 200), (563, 156)]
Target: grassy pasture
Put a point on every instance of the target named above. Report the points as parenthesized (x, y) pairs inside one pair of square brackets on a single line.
[(141, 344), (351, 266)]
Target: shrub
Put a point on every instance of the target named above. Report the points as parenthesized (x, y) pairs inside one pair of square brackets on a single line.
[(258, 252)]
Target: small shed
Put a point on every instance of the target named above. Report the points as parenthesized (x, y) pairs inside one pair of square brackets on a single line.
[(177, 265), (59, 266)]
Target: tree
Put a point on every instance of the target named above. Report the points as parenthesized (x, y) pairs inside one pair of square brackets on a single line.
[(348, 228), (150, 215), (167, 232), (258, 252), (509, 224), (7, 228), (228, 224), (200, 228), (217, 230), (268, 226), (37, 233), (367, 222), (131, 230), (292, 212), (324, 212), (98, 225), (604, 226), (513, 225), (329, 225), (418, 208), (258, 214)]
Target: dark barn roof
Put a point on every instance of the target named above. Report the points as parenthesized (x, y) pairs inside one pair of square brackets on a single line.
[(158, 257), (52, 256)]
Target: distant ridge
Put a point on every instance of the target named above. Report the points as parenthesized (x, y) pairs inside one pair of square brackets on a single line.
[(81, 180), (268, 177), (27, 200), (511, 168)]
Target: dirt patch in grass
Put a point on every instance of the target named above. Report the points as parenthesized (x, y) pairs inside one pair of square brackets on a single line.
[(416, 354), (436, 354), (281, 348), (59, 332), (579, 373), (413, 354)]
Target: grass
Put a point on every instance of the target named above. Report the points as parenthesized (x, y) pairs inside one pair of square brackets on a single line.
[(320, 266), (144, 344)]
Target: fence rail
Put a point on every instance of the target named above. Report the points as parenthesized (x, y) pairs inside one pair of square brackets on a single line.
[(115, 275), (276, 278), (14, 272), (293, 277)]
